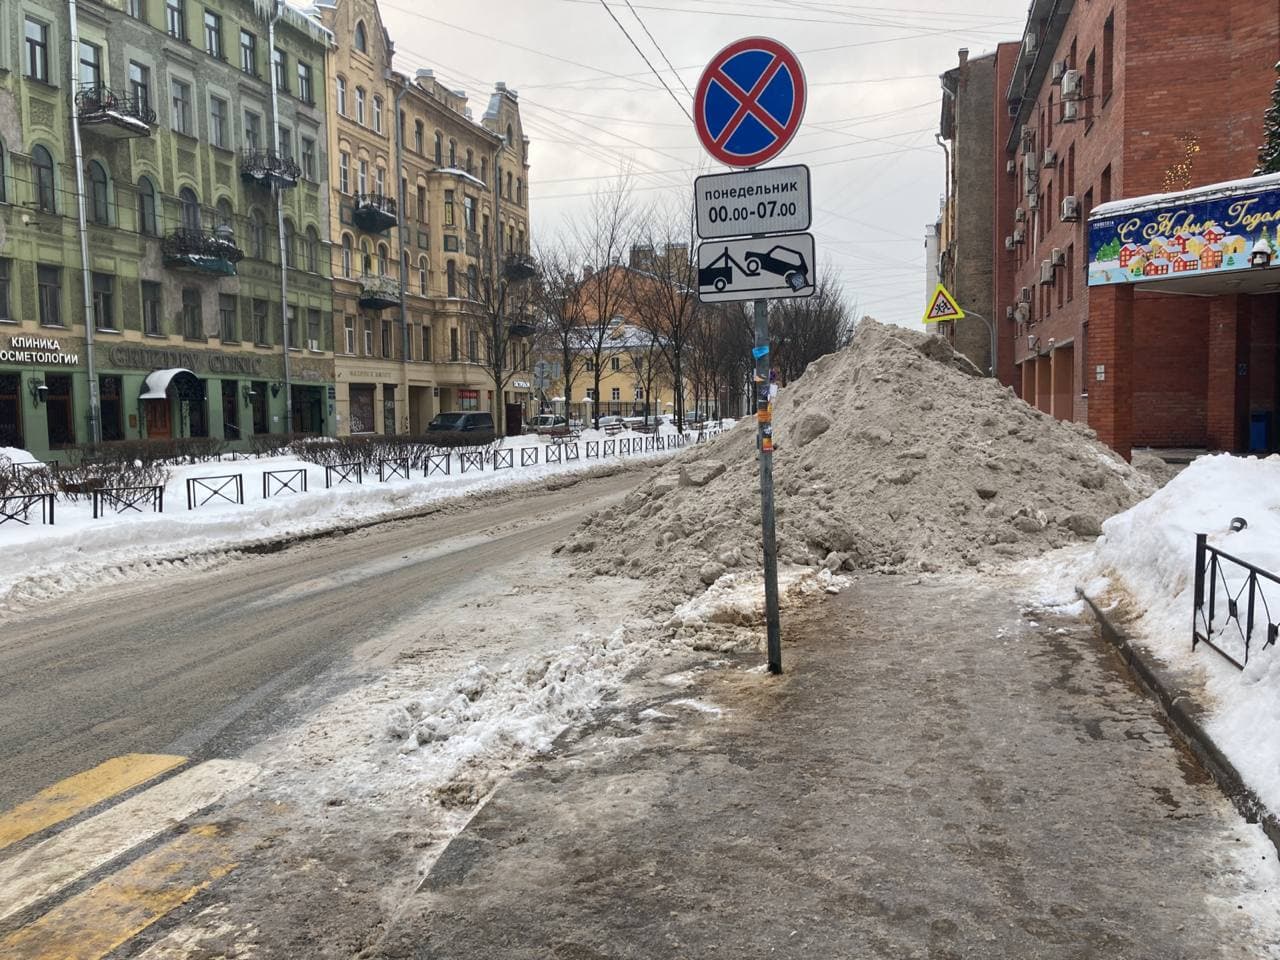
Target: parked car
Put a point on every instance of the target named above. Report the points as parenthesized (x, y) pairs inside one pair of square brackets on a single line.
[(461, 422), (612, 423), (547, 423)]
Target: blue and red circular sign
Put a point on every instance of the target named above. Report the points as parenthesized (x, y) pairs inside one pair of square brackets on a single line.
[(749, 102)]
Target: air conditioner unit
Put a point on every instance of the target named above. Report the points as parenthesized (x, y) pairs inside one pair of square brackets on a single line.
[(1056, 72), (313, 345), (1070, 84), (1025, 296), (1070, 209), (1070, 111), (1031, 165), (1019, 235), (1022, 312), (1011, 167), (1008, 242), (1059, 257), (1019, 215), (1046, 272), (1050, 158), (1029, 44), (1033, 201)]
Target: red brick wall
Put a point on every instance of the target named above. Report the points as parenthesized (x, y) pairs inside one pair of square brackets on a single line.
[(1003, 262), (1169, 370)]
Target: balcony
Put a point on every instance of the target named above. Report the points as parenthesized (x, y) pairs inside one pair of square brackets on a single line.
[(519, 266), (378, 293), (214, 253), (374, 212), (522, 327), (115, 116), (264, 168)]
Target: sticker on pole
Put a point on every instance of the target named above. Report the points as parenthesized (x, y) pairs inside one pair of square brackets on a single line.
[(942, 306), (749, 102), (756, 268)]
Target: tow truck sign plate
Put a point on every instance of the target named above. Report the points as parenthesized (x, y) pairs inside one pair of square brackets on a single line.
[(768, 200), (756, 268)]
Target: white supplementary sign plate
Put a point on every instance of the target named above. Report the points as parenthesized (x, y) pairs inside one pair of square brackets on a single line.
[(756, 268), (768, 200)]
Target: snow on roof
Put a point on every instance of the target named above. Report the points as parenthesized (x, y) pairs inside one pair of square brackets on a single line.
[(455, 172), (1213, 191)]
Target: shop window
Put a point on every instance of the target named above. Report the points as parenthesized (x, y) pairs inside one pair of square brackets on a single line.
[(111, 408), (468, 400), (388, 409), (362, 408), (11, 411), (258, 401), (59, 410)]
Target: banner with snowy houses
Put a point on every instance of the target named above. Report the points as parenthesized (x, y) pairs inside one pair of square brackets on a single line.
[(1206, 231)]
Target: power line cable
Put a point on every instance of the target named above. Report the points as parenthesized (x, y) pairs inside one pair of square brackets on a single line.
[(647, 63), (659, 48)]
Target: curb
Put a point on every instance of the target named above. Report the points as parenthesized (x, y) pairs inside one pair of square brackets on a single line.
[(1182, 711)]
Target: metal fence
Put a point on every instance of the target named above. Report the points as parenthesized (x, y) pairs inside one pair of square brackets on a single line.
[(283, 481), (528, 456), (17, 507), (393, 467), (1239, 584), (437, 463), (470, 460), (200, 490), (123, 499), (340, 473)]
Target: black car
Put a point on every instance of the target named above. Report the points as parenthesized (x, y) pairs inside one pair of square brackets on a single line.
[(716, 276), (782, 261), (461, 422)]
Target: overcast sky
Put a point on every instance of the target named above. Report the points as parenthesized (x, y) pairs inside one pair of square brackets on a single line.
[(591, 106)]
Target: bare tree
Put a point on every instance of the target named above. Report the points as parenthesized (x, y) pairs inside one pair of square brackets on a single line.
[(802, 330), (602, 238), (559, 301), (663, 288), (503, 292), (647, 363)]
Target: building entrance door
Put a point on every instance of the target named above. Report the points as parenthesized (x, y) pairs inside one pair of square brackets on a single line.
[(159, 421), (230, 411), (111, 407), (60, 410)]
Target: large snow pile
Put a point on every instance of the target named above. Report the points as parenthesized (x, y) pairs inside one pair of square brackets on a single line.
[(892, 454)]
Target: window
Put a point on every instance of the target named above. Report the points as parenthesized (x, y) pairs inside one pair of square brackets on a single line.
[(190, 208), (280, 63), (313, 328), (248, 52), (615, 364), (37, 50), (344, 172), (473, 291), (400, 129), (439, 147), (469, 213), (448, 208), (368, 338), (286, 141), (1071, 271), (384, 259), (151, 308), (305, 92), (261, 322), (1108, 56), (362, 177), (386, 339), (181, 114), (104, 310), (136, 9), (470, 161), (42, 170), (451, 278), (426, 344), (228, 329), (418, 133), (360, 105), (453, 344), (362, 40), (377, 113), (422, 275), (222, 213), (453, 153), (508, 184), (99, 200), (308, 159), (252, 130), (422, 203), (349, 335), (380, 182), (140, 84), (90, 64), (1090, 68), (450, 243), (346, 254), (510, 138), (1085, 372), (290, 241), (213, 34), (313, 250), (1104, 189), (176, 18), (192, 323), (218, 123), (519, 190), (6, 268), (341, 85), (615, 393), (258, 234), (291, 321), (49, 287), (366, 261), (473, 346)]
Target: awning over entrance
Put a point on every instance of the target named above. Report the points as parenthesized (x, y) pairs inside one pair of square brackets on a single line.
[(186, 385)]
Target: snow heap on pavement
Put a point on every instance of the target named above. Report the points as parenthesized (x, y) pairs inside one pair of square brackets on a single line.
[(894, 455)]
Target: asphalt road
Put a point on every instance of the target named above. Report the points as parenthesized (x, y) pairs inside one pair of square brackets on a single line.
[(204, 664)]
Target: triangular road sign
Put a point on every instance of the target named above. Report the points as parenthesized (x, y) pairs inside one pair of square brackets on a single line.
[(942, 306)]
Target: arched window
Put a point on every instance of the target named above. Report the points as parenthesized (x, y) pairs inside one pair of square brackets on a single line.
[(384, 260), (422, 275), (42, 174), (147, 207), (290, 242), (484, 169), (453, 152), (342, 96), (508, 184), (190, 208), (362, 40), (519, 190), (419, 133), (439, 147), (451, 278), (313, 250), (222, 211), (470, 161), (360, 105), (473, 290), (510, 138), (347, 254), (366, 261), (99, 193), (258, 234)]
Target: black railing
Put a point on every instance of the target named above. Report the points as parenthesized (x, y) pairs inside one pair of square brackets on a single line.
[(374, 212), (554, 453), (337, 473), (200, 490), (473, 460), (1210, 581), (283, 481), (122, 499), (528, 456), (18, 507), (96, 103), (437, 463), (265, 166), (393, 467), (192, 245), (503, 459)]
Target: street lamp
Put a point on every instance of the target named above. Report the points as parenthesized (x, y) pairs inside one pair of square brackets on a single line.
[(991, 329)]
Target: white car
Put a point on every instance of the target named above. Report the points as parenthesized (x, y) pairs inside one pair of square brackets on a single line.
[(611, 421)]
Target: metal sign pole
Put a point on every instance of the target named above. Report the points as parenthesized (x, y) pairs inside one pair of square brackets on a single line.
[(764, 443)]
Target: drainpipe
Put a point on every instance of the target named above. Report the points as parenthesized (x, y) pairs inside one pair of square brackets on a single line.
[(401, 191), (277, 10), (86, 278), (946, 196)]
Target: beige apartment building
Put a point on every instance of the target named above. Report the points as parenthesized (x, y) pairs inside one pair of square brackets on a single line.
[(426, 200)]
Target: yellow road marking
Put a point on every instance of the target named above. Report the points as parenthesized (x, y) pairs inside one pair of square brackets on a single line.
[(75, 794), (92, 924)]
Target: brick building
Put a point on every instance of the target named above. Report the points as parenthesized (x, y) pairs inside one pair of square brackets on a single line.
[(1098, 106)]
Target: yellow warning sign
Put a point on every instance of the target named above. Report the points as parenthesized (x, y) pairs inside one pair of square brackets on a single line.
[(942, 306)]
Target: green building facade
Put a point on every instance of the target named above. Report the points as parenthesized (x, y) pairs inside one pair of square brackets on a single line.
[(181, 186)]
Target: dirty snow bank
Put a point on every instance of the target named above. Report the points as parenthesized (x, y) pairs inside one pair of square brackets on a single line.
[(1145, 565), (891, 455)]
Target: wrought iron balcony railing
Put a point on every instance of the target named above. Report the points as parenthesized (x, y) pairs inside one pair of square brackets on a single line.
[(265, 167), (374, 212), (378, 293), (519, 266), (113, 114), (207, 252)]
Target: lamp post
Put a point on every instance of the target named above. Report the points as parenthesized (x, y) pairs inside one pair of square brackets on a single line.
[(991, 329)]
